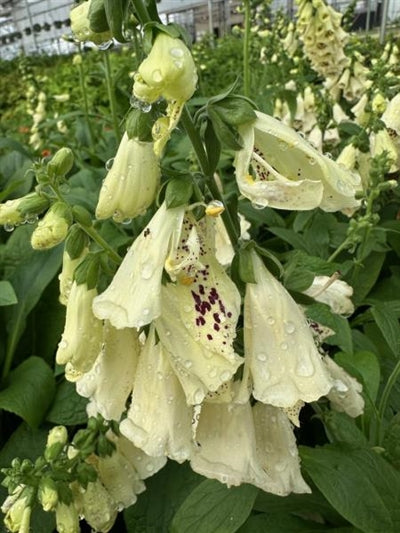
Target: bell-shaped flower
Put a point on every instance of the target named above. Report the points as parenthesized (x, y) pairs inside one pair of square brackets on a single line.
[(288, 173), (80, 25), (97, 506), (144, 464), (198, 326), (333, 292), (168, 71), (283, 361), (131, 184), (67, 518), (110, 380), (159, 420), (391, 116), (133, 298), (345, 394), (383, 141), (239, 444), (18, 509), (82, 337), (66, 276)]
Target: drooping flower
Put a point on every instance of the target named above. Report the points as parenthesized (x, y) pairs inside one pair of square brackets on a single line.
[(345, 394), (239, 444), (18, 509), (109, 382), (67, 518), (283, 361), (53, 228), (167, 72), (66, 276), (133, 298), (198, 326), (158, 420), (288, 172), (334, 292), (80, 25), (82, 337), (132, 182)]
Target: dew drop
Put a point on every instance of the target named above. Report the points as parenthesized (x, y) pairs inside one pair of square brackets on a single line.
[(146, 311), (271, 320), (157, 76), (176, 52), (284, 345), (255, 205), (212, 373), (283, 146), (305, 369), (9, 227), (312, 161), (109, 163), (178, 64), (188, 364), (126, 221), (198, 396), (261, 357), (106, 45), (225, 375), (63, 344), (147, 271), (289, 327)]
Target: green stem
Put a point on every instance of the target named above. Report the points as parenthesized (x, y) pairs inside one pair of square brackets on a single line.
[(111, 95), (246, 48), (202, 158), (342, 247), (98, 239), (86, 105), (141, 11), (385, 397), (11, 346)]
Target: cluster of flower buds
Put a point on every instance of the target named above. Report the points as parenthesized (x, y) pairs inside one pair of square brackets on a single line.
[(319, 28), (352, 83)]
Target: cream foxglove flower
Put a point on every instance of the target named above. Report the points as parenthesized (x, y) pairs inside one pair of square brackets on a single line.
[(380, 142), (334, 292), (283, 361), (168, 72), (201, 311), (288, 172), (239, 444), (345, 394), (67, 518), (66, 276), (133, 298), (82, 337), (158, 420), (110, 380), (53, 228), (97, 506), (132, 182), (80, 25), (18, 509)]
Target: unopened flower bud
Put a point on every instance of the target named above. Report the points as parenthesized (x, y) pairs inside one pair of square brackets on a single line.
[(47, 494), (67, 518), (10, 214), (53, 228), (56, 440), (77, 60), (32, 204), (18, 515), (168, 71), (61, 163)]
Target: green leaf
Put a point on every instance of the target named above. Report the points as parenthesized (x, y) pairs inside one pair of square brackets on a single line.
[(234, 110), (322, 314), (165, 492), (391, 441), (213, 146), (342, 428), (349, 128), (360, 484), (245, 266), (68, 408), (227, 135), (116, 11), (178, 192), (32, 273), (389, 325), (283, 523), (212, 508), (297, 279), (291, 237), (367, 276), (30, 391), (97, 16), (7, 294), (364, 366)]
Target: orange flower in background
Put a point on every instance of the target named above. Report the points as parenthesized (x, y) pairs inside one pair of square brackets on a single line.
[(46, 153), (24, 129)]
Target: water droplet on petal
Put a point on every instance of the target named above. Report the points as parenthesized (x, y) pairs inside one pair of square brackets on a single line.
[(176, 52), (157, 76), (225, 375), (305, 368), (178, 64), (126, 221), (271, 320), (198, 396), (255, 205), (261, 356), (9, 227), (63, 344), (147, 271), (109, 163), (289, 327), (284, 345), (106, 45)]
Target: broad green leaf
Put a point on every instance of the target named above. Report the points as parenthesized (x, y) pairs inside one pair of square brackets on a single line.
[(364, 365), (359, 484), (68, 408), (178, 192), (165, 492), (342, 428), (367, 276), (298, 279), (29, 390), (391, 441), (32, 273), (283, 523), (291, 237), (213, 146), (322, 314), (116, 11), (212, 508), (389, 325), (7, 294)]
